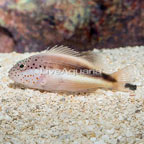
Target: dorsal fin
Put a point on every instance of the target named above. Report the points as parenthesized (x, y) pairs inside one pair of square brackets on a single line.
[(96, 59), (89, 55), (63, 50), (93, 58)]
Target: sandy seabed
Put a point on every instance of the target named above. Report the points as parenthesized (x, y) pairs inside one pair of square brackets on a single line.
[(29, 116)]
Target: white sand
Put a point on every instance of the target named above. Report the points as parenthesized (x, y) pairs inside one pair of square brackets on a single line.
[(102, 117)]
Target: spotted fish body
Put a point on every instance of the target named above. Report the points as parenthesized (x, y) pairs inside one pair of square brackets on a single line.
[(62, 69)]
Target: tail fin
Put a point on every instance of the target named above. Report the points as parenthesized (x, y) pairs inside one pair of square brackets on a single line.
[(124, 77), (123, 86)]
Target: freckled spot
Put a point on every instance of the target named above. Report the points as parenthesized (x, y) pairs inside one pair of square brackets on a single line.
[(37, 78), (44, 67), (28, 65), (35, 67), (27, 75), (33, 63), (31, 67), (35, 59), (39, 65)]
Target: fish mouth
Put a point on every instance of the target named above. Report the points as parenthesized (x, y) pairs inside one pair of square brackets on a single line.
[(10, 73)]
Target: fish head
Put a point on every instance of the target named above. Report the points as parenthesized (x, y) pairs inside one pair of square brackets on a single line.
[(26, 71)]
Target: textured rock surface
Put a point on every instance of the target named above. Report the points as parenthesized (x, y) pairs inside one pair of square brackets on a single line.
[(30, 116), (36, 24)]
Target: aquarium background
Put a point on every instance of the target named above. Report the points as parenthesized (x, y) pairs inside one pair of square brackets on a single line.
[(34, 25)]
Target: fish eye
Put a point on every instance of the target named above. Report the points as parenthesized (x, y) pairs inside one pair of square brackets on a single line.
[(21, 66)]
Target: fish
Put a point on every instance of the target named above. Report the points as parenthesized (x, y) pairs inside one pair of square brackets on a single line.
[(63, 69)]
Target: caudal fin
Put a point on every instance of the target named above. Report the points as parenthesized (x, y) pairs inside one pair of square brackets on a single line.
[(123, 86), (124, 78)]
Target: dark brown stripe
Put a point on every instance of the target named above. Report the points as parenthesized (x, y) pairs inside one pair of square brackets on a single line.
[(108, 77), (82, 70)]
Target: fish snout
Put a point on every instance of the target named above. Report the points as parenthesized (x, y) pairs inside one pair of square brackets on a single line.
[(11, 73)]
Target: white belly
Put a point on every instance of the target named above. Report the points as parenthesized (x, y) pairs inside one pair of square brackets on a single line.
[(71, 82)]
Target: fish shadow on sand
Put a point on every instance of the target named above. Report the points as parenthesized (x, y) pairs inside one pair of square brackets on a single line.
[(16, 85)]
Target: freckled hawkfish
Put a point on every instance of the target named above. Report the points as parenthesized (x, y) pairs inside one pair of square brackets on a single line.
[(63, 69)]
